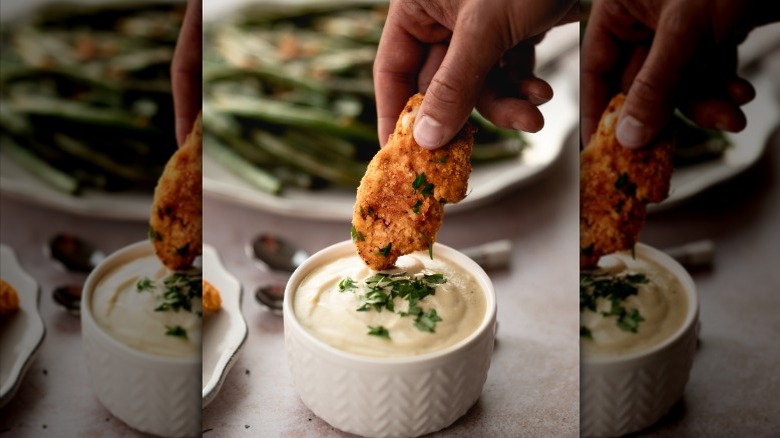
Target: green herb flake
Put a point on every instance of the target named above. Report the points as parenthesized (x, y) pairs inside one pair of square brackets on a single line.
[(427, 190), (443, 159), (144, 284), (386, 250), (633, 252), (154, 236), (379, 331), (418, 182), (585, 332), (346, 284), (430, 250), (357, 236), (427, 321), (416, 207), (621, 181), (176, 330)]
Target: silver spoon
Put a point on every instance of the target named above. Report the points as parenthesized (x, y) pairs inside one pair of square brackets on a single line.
[(276, 253), (271, 297), (73, 253), (69, 297)]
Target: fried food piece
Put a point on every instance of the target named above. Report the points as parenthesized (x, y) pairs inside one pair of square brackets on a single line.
[(176, 221), (9, 299), (616, 184), (212, 301), (400, 200)]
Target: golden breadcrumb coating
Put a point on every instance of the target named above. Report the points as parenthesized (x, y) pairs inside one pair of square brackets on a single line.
[(212, 301), (400, 200), (9, 300), (176, 223), (616, 184)]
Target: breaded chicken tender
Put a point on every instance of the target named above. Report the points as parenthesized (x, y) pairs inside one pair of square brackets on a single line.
[(212, 301), (616, 184), (400, 200), (9, 299), (176, 224)]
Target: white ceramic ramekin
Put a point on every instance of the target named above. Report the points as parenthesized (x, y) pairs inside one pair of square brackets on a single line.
[(389, 397), (623, 394), (153, 394)]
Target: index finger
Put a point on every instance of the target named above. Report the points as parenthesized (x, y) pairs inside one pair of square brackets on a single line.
[(398, 61), (599, 72), (186, 69)]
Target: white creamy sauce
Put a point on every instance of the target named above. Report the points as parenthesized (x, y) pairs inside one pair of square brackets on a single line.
[(129, 315), (330, 315), (661, 302)]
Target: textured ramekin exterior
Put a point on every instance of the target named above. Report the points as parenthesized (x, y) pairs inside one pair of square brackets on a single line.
[(152, 394), (378, 397), (622, 395)]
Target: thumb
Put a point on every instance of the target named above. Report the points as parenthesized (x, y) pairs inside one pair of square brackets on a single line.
[(453, 91)]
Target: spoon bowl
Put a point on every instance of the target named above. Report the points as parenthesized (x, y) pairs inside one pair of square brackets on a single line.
[(271, 297), (69, 297), (74, 253), (276, 253)]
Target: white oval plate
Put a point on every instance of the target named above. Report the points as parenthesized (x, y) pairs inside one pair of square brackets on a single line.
[(487, 182), (22, 333), (747, 146), (224, 332)]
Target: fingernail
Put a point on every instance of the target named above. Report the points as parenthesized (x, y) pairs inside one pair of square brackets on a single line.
[(428, 132), (631, 133)]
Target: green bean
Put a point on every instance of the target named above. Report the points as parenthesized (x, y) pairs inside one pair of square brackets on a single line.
[(55, 178), (260, 178), (347, 172), (282, 113)]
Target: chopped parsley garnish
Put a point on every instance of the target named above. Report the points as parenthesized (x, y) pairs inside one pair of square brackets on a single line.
[(614, 289), (427, 190), (416, 207), (443, 159), (179, 289), (382, 289), (418, 182), (427, 321), (144, 284), (386, 250), (357, 236), (176, 330), (379, 331), (346, 284), (430, 244)]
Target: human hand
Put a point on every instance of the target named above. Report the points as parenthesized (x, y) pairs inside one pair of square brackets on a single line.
[(667, 54), (463, 54), (186, 70)]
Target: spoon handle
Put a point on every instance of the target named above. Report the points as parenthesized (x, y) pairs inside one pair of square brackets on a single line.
[(491, 255)]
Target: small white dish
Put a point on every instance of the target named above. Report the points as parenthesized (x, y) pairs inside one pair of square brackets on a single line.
[(224, 332), (627, 393), (152, 394), (388, 397), (22, 333)]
